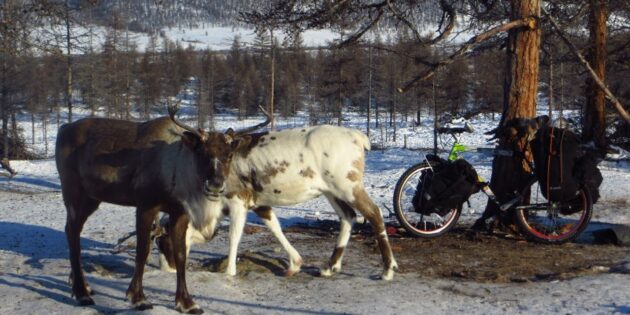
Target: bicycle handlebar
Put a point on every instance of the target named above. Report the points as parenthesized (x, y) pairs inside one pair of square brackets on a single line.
[(456, 130)]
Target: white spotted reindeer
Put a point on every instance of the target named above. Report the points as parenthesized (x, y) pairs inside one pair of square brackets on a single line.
[(289, 167)]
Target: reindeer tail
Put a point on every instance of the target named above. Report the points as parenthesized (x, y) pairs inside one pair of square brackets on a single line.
[(362, 139)]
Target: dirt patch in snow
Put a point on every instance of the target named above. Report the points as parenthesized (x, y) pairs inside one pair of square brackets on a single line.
[(459, 254)]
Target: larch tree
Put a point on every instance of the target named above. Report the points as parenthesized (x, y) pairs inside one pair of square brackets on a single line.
[(509, 172), (17, 20), (522, 47), (594, 110)]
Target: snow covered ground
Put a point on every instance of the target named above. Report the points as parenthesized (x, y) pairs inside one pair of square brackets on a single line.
[(33, 253), (34, 266)]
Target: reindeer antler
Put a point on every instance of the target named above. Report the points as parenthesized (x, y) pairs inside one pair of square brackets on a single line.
[(256, 127), (172, 110)]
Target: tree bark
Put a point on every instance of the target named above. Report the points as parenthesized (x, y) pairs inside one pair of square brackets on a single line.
[(594, 112), (519, 100), (523, 58)]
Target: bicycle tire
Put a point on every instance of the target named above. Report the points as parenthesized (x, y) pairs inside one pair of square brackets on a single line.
[(419, 225), (561, 222)]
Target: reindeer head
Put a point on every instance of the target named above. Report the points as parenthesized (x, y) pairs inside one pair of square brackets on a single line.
[(214, 152)]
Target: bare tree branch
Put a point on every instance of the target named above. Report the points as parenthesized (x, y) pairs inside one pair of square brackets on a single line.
[(530, 23), (354, 37), (618, 106), (452, 16)]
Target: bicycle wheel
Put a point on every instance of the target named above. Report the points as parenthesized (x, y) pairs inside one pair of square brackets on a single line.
[(419, 224), (555, 222)]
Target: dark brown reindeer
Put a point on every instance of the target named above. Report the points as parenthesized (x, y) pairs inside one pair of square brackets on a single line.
[(159, 165)]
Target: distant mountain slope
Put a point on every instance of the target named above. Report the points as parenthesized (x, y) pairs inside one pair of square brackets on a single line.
[(153, 15)]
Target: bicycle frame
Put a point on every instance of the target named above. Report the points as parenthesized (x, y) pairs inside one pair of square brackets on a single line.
[(545, 221)]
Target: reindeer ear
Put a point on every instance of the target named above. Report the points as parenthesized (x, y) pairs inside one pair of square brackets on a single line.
[(241, 142), (191, 140), (229, 136)]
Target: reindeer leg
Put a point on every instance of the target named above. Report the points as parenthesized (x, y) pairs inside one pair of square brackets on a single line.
[(164, 244), (135, 292), (364, 204), (347, 216), (178, 226), (161, 232), (238, 216), (77, 214), (271, 221)]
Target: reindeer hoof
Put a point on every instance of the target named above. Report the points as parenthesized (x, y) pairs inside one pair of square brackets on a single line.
[(194, 309), (291, 273), (327, 272), (85, 301), (388, 274), (294, 267), (143, 306), (230, 271)]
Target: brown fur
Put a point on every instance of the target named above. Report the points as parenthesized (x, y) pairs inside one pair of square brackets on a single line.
[(353, 176), (336, 255), (359, 165), (251, 141), (269, 173), (263, 212), (366, 206), (308, 172), (140, 165)]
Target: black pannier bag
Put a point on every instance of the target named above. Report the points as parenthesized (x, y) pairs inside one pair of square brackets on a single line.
[(447, 187), (562, 167), (588, 174)]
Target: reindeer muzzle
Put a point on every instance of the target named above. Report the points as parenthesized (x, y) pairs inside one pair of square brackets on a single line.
[(213, 189)]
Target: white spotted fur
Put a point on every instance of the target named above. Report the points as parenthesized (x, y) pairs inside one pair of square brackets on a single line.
[(330, 152)]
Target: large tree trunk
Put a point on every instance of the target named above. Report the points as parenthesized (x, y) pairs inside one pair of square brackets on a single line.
[(523, 58), (520, 91), (594, 111)]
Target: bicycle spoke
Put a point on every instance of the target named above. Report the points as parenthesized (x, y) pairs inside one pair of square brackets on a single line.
[(419, 224), (555, 222)]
